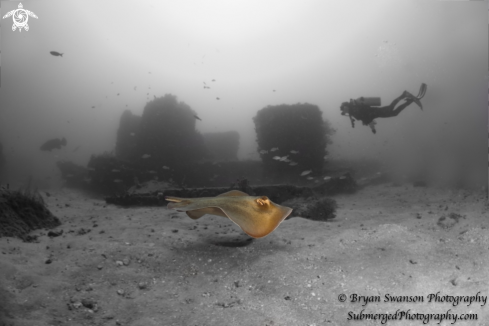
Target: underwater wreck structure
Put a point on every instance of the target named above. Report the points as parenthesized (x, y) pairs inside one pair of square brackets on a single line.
[(291, 139), (222, 146), (163, 145)]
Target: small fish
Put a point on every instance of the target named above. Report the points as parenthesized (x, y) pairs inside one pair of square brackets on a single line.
[(293, 163), (56, 54), (294, 152), (274, 90), (166, 167), (263, 151), (93, 106), (77, 148), (276, 157), (325, 157), (327, 178), (146, 156), (196, 117), (118, 180), (274, 149), (118, 94), (217, 98), (52, 144), (305, 172), (213, 80), (115, 170), (135, 87), (152, 172), (310, 178), (284, 158), (132, 134)]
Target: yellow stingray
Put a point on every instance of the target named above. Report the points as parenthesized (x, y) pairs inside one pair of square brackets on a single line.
[(256, 216)]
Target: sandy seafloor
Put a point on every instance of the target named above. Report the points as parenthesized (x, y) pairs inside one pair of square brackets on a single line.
[(152, 266)]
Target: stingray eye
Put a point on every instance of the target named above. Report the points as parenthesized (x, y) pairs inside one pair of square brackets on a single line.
[(262, 200)]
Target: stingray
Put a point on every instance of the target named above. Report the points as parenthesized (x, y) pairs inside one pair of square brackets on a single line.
[(257, 216)]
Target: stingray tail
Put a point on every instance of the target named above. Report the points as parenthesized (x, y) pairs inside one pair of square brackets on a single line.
[(177, 202), (174, 199)]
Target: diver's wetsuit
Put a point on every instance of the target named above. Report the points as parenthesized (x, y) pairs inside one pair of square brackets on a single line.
[(367, 113)]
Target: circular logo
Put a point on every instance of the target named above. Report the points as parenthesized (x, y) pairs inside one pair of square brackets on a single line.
[(20, 18)]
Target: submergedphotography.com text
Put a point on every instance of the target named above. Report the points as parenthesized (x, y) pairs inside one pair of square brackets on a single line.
[(438, 300)]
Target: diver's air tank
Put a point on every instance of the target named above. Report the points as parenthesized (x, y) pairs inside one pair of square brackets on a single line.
[(371, 101)]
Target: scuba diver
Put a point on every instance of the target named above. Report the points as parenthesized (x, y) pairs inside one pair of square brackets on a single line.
[(360, 110)]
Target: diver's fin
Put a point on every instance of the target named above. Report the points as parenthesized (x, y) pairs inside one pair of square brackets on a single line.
[(414, 99), (418, 103), (422, 91)]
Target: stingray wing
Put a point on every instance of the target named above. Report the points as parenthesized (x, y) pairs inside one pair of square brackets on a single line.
[(256, 216), (198, 213), (233, 193), (195, 207)]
